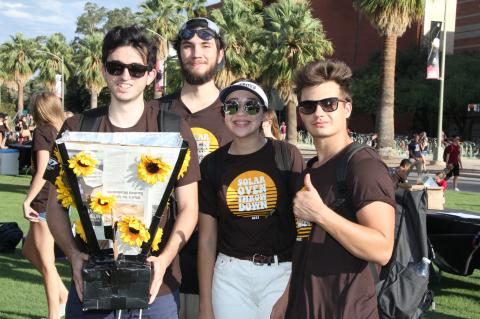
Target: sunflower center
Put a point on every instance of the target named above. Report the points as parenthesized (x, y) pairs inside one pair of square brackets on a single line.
[(133, 230), (82, 164), (152, 168), (102, 202)]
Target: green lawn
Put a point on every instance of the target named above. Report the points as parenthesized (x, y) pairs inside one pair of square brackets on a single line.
[(22, 294)]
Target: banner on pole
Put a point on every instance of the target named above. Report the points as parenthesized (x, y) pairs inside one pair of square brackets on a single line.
[(433, 62), (159, 79)]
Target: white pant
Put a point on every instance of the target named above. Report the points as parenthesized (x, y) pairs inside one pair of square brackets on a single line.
[(243, 290)]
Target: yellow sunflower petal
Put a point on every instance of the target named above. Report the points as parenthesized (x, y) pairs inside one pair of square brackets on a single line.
[(152, 170), (82, 164), (80, 231), (102, 204), (157, 240), (185, 163), (132, 231)]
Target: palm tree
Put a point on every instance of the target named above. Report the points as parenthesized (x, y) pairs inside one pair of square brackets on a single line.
[(89, 65), (163, 18), (194, 8), (391, 18), (48, 65), (295, 38), (240, 27), (18, 57)]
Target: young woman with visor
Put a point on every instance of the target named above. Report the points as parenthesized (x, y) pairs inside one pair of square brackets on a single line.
[(246, 213)]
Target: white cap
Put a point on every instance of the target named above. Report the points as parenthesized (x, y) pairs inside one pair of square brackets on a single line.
[(245, 86)]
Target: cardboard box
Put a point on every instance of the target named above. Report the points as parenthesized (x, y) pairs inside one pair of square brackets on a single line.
[(435, 198)]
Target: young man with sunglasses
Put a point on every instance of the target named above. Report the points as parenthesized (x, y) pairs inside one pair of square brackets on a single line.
[(128, 58), (330, 273), (200, 50)]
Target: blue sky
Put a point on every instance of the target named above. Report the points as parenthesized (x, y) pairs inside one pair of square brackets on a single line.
[(44, 17)]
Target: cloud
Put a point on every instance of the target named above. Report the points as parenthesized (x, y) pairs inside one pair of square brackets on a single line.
[(13, 13), (11, 5)]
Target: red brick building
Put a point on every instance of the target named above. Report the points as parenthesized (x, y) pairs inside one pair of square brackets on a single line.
[(467, 30)]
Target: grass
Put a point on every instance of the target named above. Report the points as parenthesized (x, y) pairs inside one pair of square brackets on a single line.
[(22, 295)]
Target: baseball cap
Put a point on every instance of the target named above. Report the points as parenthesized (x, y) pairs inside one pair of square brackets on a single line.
[(245, 86), (201, 23)]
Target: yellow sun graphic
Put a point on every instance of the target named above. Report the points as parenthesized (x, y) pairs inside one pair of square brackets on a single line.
[(152, 170), (102, 204), (80, 231), (64, 194), (185, 163), (157, 240), (132, 231), (82, 164)]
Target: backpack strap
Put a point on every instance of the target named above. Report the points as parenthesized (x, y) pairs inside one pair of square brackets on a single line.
[(342, 169), (282, 156), (168, 121), (90, 119), (214, 165)]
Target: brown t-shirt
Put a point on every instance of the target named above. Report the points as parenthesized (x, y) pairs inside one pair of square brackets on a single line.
[(43, 140), (207, 125), (327, 281), (148, 123), (254, 205)]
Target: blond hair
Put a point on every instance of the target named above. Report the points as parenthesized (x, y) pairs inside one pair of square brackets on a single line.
[(270, 115), (46, 108)]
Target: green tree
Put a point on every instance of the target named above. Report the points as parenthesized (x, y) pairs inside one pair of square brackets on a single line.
[(391, 18), (89, 65), (240, 27), (121, 16), (194, 8), (18, 57), (163, 18), (92, 19), (294, 38), (48, 65)]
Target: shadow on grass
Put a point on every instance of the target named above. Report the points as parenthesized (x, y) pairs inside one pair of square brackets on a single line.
[(15, 266), (438, 315), (14, 188), (12, 314)]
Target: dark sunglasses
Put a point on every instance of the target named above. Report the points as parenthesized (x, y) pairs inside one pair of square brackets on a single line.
[(329, 104), (116, 68), (250, 107), (204, 34)]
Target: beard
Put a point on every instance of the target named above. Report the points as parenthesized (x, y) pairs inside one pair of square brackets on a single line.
[(198, 79)]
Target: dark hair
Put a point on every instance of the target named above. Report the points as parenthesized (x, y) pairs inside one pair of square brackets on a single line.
[(318, 72), (133, 36), (405, 162)]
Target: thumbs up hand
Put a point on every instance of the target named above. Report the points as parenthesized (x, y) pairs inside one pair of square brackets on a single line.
[(308, 204)]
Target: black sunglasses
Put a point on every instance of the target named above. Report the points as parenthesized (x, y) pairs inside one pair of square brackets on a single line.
[(329, 104), (116, 68), (251, 107), (204, 34)]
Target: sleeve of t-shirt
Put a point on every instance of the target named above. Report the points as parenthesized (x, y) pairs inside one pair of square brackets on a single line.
[(43, 137), (368, 180), (192, 174), (298, 165), (206, 191)]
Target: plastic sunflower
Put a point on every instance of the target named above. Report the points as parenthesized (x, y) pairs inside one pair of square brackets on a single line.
[(82, 164), (132, 231), (80, 231), (185, 163), (157, 239), (102, 204), (56, 154), (152, 170), (64, 194)]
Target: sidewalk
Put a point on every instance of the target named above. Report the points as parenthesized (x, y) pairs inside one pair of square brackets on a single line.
[(471, 166)]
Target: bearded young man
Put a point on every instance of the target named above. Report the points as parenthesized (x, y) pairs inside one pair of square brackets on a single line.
[(330, 274)]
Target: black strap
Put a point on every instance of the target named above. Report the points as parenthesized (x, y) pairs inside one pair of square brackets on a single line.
[(90, 119), (282, 155)]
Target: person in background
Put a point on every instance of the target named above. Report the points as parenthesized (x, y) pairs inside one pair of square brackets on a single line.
[(246, 225), (270, 127), (3, 131), (38, 247), (283, 131), (400, 174), (423, 142), (453, 158), (415, 156), (440, 179)]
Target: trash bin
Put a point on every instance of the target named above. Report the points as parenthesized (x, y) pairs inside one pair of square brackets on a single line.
[(9, 162)]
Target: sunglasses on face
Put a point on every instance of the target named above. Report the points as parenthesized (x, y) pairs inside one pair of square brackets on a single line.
[(251, 107), (134, 69), (329, 104), (204, 34)]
